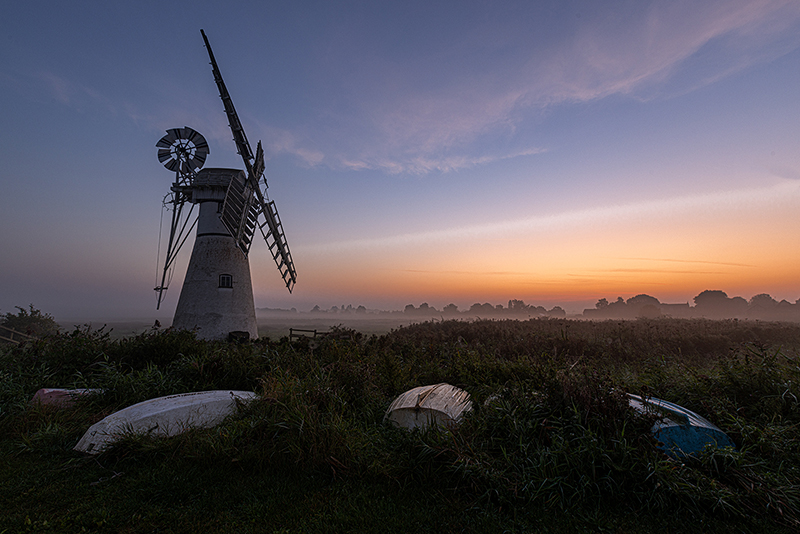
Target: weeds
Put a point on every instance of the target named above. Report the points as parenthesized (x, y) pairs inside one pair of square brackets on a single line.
[(551, 430)]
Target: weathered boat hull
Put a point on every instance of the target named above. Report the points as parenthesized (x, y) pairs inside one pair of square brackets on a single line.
[(440, 404), (680, 432), (163, 416)]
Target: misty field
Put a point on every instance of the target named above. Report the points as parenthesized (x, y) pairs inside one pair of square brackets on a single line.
[(551, 445)]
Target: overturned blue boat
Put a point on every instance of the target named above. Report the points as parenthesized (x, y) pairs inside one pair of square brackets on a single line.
[(680, 432)]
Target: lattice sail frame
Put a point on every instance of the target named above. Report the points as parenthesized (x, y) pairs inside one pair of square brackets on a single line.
[(244, 202)]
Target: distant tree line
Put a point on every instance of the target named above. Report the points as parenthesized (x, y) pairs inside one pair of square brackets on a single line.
[(344, 309), (516, 308), (712, 304)]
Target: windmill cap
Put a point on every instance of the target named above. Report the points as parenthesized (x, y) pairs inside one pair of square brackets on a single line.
[(215, 177)]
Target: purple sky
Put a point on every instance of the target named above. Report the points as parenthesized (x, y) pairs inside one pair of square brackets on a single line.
[(463, 152)]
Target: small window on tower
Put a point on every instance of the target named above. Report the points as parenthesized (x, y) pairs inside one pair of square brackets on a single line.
[(226, 281)]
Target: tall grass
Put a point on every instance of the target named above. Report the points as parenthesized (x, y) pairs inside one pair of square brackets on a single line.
[(550, 432)]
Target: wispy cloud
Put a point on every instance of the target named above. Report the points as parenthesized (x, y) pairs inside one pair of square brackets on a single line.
[(699, 262), (403, 118), (278, 141), (622, 51), (73, 94), (659, 271), (728, 200), (60, 89), (786, 172), (461, 97), (468, 273), (423, 164), (191, 112)]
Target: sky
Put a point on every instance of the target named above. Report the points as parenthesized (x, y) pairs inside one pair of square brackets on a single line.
[(557, 152)]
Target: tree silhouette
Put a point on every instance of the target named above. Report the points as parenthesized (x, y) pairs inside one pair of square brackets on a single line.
[(711, 298), (642, 300), (763, 300), (450, 309)]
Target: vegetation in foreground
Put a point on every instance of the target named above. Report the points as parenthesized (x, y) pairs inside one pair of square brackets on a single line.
[(551, 445)]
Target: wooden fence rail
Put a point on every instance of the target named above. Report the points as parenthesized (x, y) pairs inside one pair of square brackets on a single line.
[(10, 335), (300, 333), (304, 333)]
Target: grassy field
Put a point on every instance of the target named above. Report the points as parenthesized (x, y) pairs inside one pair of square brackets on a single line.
[(551, 445), (270, 325)]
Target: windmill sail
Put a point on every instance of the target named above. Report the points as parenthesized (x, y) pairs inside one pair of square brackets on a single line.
[(242, 145), (276, 242), (239, 212), (244, 201)]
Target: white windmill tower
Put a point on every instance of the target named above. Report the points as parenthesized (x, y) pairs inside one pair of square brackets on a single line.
[(217, 295)]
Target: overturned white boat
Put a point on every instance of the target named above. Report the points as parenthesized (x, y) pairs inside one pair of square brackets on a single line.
[(163, 417), (680, 432), (440, 404)]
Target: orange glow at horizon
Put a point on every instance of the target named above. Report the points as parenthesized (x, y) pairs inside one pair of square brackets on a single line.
[(743, 248)]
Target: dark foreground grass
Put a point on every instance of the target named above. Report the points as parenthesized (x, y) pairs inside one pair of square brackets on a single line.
[(551, 445)]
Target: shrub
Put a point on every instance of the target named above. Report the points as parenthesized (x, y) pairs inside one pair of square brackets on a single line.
[(31, 322)]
